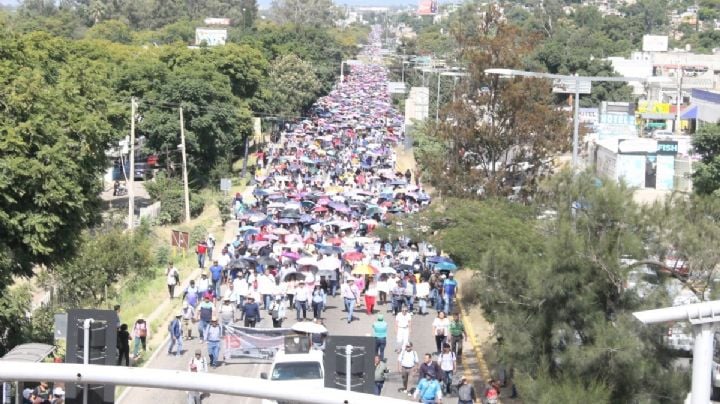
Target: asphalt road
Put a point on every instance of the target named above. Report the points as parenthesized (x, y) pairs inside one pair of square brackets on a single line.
[(335, 321)]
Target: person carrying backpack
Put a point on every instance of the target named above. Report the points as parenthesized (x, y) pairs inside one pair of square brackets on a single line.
[(175, 331), (466, 392), (429, 391)]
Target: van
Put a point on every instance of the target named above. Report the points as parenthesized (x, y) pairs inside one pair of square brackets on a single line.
[(295, 372)]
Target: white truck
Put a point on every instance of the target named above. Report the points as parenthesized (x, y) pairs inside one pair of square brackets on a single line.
[(295, 372)]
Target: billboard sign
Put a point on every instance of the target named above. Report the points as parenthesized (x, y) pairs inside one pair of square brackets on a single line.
[(217, 21), (567, 86), (655, 43), (427, 7), (211, 36), (589, 115)]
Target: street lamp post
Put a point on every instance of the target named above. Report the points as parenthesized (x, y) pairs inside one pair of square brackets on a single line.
[(437, 99), (576, 80)]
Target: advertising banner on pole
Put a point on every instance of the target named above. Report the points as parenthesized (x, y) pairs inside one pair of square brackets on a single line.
[(255, 343), (427, 7)]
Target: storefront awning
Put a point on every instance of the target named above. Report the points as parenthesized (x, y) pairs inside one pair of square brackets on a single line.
[(690, 113), (32, 352)]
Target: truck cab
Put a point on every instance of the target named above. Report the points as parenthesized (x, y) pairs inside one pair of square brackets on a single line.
[(296, 371)]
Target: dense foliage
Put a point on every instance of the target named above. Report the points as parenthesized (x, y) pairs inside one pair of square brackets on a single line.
[(555, 288), (69, 70), (706, 173)]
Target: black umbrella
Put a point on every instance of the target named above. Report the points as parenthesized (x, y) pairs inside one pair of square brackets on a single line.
[(238, 264), (294, 276), (405, 268), (268, 261)]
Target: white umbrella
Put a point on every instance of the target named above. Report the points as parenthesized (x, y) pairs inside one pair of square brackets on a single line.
[(307, 261), (387, 270), (328, 263), (309, 327)]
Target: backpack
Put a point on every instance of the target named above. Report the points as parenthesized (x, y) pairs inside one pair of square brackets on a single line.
[(141, 328)]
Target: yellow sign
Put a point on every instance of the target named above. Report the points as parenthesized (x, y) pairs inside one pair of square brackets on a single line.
[(653, 107)]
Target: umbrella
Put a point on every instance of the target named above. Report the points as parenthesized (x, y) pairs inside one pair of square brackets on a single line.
[(445, 266), (328, 263), (238, 264), (246, 228), (268, 261), (280, 231), (270, 237), (287, 220), (307, 261), (292, 255), (439, 258), (364, 269), (294, 276), (405, 268), (320, 209), (353, 256), (309, 327), (387, 270), (264, 222), (258, 244), (329, 249), (250, 231)]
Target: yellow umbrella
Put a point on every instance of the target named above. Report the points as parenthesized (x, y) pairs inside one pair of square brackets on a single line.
[(364, 269)]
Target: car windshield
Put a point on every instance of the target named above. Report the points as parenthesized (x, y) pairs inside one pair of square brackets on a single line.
[(297, 371)]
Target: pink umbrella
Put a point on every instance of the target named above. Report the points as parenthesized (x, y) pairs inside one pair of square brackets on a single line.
[(292, 255), (258, 244)]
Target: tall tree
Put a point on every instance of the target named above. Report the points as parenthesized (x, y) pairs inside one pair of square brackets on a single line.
[(304, 12), (56, 117), (706, 176), (499, 132)]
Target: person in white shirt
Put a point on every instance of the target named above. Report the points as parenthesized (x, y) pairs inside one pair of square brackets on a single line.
[(407, 363), (447, 361), (440, 329), (422, 291), (173, 277), (301, 300), (403, 322)]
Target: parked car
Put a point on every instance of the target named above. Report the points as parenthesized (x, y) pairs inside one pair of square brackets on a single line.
[(293, 372)]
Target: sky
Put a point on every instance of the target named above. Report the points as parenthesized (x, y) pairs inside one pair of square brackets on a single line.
[(266, 3)]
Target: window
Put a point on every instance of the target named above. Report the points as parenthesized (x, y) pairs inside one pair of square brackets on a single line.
[(297, 371)]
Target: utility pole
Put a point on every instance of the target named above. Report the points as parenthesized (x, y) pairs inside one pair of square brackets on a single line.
[(131, 185), (185, 174), (678, 99)]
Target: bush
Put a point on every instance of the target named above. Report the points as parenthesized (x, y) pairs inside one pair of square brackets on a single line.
[(169, 191), (223, 205)]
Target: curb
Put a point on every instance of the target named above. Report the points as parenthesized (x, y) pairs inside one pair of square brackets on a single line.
[(477, 349)]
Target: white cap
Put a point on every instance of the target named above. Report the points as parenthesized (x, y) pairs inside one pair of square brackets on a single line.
[(58, 391)]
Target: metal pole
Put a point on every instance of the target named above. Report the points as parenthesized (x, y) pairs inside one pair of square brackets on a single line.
[(576, 124), (403, 72), (342, 72), (185, 173), (86, 353), (182, 380), (131, 187), (437, 101), (348, 366), (702, 362), (677, 100)]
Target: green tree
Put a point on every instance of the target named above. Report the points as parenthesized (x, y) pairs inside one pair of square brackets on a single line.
[(110, 30), (105, 258), (292, 86), (706, 175), (56, 120), (316, 13), (499, 132)]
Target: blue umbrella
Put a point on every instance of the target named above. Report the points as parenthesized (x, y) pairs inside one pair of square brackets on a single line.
[(265, 222), (445, 266), (439, 258)]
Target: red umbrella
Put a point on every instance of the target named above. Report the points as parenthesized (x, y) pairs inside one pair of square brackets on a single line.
[(353, 256), (320, 209)]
